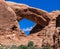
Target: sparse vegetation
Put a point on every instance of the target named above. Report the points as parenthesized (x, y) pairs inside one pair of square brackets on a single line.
[(46, 47), (29, 46)]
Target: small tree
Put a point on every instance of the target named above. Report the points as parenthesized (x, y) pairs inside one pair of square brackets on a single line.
[(30, 44)]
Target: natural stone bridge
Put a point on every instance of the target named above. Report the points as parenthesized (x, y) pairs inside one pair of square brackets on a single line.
[(45, 32), (36, 15)]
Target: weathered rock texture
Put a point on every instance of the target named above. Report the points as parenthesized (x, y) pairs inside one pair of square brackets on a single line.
[(45, 32)]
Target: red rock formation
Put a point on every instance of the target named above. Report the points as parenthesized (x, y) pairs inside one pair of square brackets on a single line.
[(9, 29), (45, 32), (41, 17)]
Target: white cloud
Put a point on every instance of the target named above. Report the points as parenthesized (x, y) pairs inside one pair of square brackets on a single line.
[(27, 29)]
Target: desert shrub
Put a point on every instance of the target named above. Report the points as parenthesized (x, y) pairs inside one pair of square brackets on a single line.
[(13, 47), (30, 44), (22, 47), (46, 47), (32, 47), (6, 47), (1, 46)]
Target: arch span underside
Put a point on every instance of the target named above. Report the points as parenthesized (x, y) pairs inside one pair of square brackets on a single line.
[(36, 15), (58, 21), (40, 17)]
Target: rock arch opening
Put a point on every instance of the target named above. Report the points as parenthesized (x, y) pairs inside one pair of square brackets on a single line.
[(26, 25), (40, 17)]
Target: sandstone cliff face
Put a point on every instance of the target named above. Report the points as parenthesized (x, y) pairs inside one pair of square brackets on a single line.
[(9, 29), (45, 32)]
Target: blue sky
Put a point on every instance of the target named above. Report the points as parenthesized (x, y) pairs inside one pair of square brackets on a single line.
[(48, 5)]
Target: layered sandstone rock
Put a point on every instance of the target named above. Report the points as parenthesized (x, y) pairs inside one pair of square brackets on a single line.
[(45, 32), (38, 16), (9, 28)]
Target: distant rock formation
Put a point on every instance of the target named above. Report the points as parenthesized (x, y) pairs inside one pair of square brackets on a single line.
[(45, 32)]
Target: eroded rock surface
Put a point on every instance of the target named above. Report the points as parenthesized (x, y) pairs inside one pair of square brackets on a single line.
[(38, 16), (45, 32), (9, 28)]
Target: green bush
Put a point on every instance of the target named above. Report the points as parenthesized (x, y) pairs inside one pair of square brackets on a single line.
[(22, 47), (30, 44), (46, 47), (31, 47)]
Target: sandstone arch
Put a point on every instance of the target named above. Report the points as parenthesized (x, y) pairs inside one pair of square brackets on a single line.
[(23, 11), (11, 13), (40, 17), (15, 12)]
